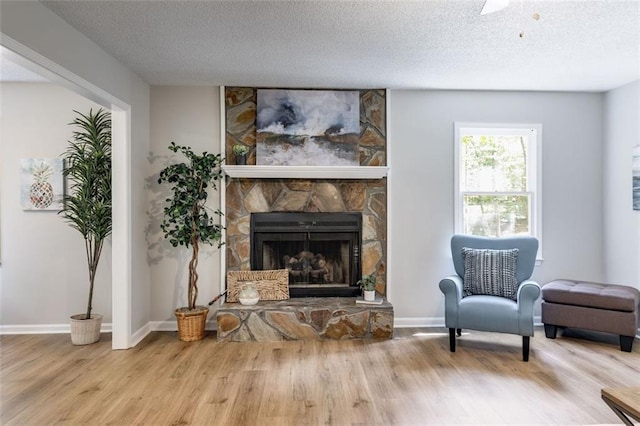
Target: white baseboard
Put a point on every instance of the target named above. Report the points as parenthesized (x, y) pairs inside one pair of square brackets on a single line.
[(418, 322), (140, 334), (163, 325), (44, 329), (172, 325), (434, 322), (106, 328), (136, 337)]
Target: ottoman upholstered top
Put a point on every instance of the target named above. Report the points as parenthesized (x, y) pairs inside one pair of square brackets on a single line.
[(595, 295)]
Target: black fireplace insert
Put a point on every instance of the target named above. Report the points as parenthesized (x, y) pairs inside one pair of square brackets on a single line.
[(320, 250)]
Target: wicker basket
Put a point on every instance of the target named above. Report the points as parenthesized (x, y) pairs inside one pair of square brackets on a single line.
[(191, 324), (271, 285), (83, 331)]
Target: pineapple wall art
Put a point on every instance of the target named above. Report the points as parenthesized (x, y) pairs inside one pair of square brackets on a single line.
[(42, 184)]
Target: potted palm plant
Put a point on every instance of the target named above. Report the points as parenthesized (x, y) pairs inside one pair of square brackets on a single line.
[(189, 222), (87, 205)]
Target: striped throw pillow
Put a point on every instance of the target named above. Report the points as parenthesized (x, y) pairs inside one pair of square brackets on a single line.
[(490, 272)]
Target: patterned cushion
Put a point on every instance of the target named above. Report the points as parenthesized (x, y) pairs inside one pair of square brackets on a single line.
[(490, 272)]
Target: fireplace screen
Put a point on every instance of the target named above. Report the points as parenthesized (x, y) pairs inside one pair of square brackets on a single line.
[(320, 250)]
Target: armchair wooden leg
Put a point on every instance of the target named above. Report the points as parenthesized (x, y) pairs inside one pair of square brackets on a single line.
[(459, 332), (525, 348), (452, 339)]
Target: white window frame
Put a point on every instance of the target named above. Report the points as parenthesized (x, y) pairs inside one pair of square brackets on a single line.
[(534, 169)]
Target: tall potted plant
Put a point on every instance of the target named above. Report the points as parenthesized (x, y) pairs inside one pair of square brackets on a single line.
[(189, 222), (87, 205)]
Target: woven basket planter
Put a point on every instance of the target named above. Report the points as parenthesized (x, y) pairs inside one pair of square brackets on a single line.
[(85, 331), (191, 324)]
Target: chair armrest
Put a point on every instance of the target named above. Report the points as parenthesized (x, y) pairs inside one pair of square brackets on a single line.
[(528, 293), (451, 287)]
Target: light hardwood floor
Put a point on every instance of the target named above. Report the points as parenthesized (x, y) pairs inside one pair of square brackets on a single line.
[(412, 379)]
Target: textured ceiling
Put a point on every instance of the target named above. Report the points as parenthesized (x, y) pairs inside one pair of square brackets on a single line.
[(575, 45)]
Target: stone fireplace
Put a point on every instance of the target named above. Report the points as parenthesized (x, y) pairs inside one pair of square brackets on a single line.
[(272, 223), (367, 197)]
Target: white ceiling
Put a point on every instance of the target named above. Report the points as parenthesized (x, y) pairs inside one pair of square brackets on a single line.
[(588, 45)]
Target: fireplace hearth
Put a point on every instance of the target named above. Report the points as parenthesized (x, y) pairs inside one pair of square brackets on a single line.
[(321, 250)]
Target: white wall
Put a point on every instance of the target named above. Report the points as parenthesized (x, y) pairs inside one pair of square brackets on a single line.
[(187, 116), (45, 38), (421, 187), (45, 274), (621, 222)]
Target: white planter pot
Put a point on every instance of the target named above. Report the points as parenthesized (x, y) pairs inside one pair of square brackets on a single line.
[(85, 331), (369, 295)]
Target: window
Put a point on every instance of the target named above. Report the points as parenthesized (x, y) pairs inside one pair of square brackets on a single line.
[(498, 180)]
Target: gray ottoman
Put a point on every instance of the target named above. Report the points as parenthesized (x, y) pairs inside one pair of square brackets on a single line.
[(592, 306)]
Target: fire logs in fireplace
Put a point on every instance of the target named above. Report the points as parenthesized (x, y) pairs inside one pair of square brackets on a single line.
[(307, 267), (320, 250)]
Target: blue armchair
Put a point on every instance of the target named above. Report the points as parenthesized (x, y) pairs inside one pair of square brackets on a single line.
[(489, 312)]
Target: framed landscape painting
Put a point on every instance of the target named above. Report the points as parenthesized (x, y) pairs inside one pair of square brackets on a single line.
[(636, 177), (41, 183), (308, 127)]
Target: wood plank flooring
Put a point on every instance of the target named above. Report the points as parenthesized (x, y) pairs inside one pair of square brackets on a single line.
[(412, 379)]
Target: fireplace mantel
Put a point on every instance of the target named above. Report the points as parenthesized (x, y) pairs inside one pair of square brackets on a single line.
[(306, 172)]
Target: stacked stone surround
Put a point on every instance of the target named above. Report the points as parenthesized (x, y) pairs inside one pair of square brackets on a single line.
[(306, 318), (246, 196), (318, 318)]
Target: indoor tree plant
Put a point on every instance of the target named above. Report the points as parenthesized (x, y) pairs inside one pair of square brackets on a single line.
[(188, 222), (87, 205)]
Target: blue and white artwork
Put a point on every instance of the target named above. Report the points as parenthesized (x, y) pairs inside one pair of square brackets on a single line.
[(636, 177), (308, 127)]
